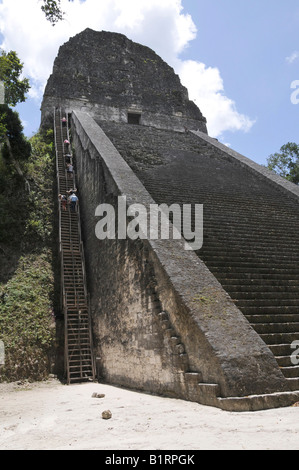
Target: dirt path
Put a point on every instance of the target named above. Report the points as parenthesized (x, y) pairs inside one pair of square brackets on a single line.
[(52, 416)]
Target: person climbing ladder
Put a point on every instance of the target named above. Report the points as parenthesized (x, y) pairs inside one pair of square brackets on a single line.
[(73, 202)]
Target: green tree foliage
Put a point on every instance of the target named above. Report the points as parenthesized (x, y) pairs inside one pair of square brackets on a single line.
[(286, 162), (13, 138), (2, 126), (52, 10), (27, 290), (10, 72), (14, 144)]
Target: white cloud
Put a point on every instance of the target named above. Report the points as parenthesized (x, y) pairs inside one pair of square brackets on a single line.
[(26, 30), (205, 87), (24, 123), (294, 56), (159, 24)]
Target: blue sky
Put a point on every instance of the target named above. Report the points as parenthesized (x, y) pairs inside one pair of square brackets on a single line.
[(252, 43), (237, 59)]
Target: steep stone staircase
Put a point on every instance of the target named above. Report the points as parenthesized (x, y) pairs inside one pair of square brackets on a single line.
[(79, 360), (251, 228), (257, 264)]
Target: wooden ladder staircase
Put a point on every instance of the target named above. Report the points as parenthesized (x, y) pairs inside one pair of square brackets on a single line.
[(79, 358)]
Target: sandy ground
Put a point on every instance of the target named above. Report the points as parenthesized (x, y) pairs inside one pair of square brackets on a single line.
[(53, 416)]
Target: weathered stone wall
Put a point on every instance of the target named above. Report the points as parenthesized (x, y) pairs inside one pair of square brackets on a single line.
[(130, 345), (131, 283), (111, 76)]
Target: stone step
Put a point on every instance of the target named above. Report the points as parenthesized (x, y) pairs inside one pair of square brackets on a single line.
[(258, 283), (279, 338), (281, 349), (254, 278), (273, 310), (245, 239), (293, 384), (265, 298), (278, 318), (249, 257), (252, 290), (259, 402), (253, 259), (229, 219), (280, 301), (290, 372), (255, 271), (241, 234), (233, 268), (268, 328), (284, 361), (211, 249)]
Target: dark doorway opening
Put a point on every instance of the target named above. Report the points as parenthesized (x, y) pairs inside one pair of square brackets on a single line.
[(134, 118)]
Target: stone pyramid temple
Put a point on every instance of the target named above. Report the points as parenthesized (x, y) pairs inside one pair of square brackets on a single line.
[(217, 325)]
